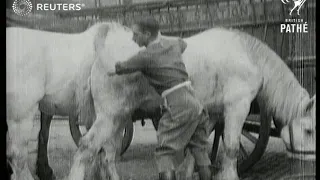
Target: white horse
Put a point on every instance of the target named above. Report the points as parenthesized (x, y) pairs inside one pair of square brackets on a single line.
[(48, 72), (228, 69)]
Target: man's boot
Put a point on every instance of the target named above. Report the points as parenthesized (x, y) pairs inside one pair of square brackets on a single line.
[(204, 173), (168, 175)]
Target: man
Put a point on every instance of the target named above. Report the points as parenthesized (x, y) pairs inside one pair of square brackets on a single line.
[(184, 123)]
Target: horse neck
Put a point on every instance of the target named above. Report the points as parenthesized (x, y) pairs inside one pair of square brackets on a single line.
[(281, 94), (283, 103)]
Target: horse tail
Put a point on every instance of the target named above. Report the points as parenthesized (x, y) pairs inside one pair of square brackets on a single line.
[(83, 94), (100, 37)]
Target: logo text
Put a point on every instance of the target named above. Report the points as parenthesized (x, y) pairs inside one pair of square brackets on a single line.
[(58, 7)]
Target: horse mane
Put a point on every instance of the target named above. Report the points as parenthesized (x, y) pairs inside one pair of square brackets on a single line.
[(281, 94)]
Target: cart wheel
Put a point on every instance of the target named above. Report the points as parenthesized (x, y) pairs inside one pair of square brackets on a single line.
[(253, 143), (78, 131), (127, 137), (155, 122)]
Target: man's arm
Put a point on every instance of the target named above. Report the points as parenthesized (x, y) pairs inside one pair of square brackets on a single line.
[(136, 63)]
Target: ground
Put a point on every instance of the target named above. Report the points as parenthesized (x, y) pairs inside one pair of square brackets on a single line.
[(138, 162)]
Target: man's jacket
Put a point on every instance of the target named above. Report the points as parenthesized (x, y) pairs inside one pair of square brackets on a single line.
[(160, 62)]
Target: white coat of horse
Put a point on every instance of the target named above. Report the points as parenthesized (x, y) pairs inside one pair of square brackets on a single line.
[(48, 72)]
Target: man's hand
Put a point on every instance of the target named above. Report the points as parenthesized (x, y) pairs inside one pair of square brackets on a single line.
[(114, 72)]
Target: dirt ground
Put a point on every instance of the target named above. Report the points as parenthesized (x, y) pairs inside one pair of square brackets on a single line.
[(138, 162)]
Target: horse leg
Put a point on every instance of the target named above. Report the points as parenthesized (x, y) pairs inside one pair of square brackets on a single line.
[(19, 134), (235, 116), (95, 157), (44, 171), (112, 154)]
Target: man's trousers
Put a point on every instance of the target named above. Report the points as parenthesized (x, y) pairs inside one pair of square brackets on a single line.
[(183, 125)]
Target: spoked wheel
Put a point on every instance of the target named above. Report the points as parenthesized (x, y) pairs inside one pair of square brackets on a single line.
[(253, 143), (77, 131), (127, 137)]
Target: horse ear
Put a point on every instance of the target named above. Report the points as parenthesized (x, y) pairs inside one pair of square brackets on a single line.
[(311, 104)]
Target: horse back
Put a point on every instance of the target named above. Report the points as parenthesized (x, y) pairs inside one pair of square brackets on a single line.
[(219, 65)]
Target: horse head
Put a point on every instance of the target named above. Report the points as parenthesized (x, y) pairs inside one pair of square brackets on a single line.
[(299, 135)]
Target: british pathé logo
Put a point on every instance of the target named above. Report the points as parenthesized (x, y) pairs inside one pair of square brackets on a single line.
[(22, 7), (294, 25), (297, 5)]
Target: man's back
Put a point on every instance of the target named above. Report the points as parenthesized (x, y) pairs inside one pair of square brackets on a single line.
[(161, 63)]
